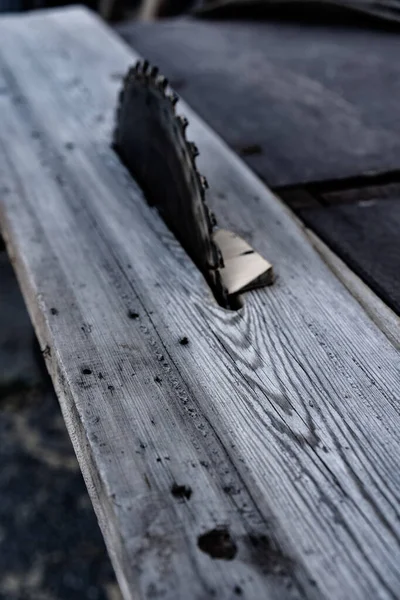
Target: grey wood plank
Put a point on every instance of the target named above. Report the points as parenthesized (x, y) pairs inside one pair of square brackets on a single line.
[(386, 319), (300, 102), (366, 235), (361, 224), (282, 418)]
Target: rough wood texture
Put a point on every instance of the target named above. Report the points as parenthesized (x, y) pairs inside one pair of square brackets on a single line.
[(379, 312), (250, 453), (362, 225), (366, 235), (305, 100)]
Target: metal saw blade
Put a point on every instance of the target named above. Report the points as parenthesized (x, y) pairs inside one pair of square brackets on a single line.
[(150, 139)]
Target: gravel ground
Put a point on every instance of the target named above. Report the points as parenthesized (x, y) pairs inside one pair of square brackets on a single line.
[(51, 547)]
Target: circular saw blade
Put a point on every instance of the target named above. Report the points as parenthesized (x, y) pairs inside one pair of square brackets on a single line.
[(150, 139)]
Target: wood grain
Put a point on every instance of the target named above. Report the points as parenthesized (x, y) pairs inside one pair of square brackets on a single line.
[(249, 453), (379, 312), (366, 235), (360, 222)]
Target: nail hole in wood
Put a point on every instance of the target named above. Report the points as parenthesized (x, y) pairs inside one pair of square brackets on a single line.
[(132, 314), (181, 491), (218, 544)]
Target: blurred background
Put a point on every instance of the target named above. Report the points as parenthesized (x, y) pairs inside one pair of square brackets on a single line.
[(357, 11)]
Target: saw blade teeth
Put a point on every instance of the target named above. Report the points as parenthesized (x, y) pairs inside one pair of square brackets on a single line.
[(183, 122), (145, 66), (163, 83), (174, 98), (154, 72), (211, 217), (204, 182), (135, 69), (194, 151)]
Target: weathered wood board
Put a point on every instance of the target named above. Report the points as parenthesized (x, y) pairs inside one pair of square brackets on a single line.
[(366, 233), (249, 453)]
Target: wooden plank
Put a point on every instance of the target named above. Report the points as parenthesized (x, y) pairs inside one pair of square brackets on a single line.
[(361, 224), (386, 319), (366, 236), (305, 100), (248, 453)]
